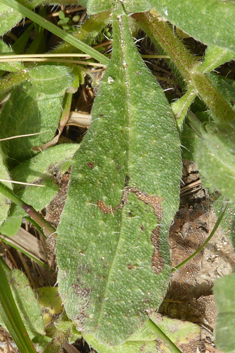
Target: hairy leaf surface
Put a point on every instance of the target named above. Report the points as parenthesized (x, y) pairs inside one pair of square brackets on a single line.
[(216, 162), (225, 303), (31, 110), (112, 249), (182, 333), (46, 168), (210, 21)]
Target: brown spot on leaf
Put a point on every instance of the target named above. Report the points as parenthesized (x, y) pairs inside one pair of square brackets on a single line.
[(142, 348), (91, 165), (155, 202), (83, 293), (131, 267), (103, 207), (157, 260)]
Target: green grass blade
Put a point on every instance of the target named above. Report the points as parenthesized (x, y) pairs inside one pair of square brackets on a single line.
[(55, 30), (162, 336), (11, 317)]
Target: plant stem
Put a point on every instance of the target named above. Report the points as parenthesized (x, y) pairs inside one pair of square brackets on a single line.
[(161, 335), (182, 105), (220, 108), (37, 217), (222, 212), (161, 34), (56, 30)]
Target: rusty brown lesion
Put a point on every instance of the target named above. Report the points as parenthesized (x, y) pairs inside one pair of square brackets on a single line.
[(103, 207), (83, 293), (156, 203), (157, 260), (91, 165)]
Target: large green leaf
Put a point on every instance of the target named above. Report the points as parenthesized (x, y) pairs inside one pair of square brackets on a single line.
[(123, 195), (45, 168), (31, 110), (225, 303), (210, 21), (51, 79)]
